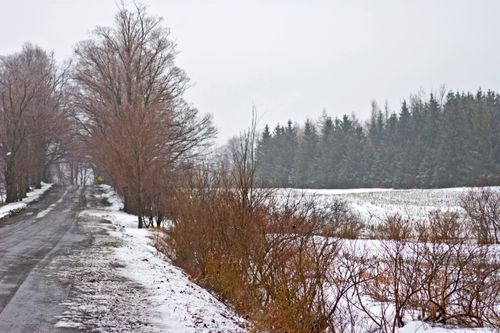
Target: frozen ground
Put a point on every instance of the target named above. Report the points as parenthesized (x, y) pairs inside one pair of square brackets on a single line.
[(143, 292), (14, 207)]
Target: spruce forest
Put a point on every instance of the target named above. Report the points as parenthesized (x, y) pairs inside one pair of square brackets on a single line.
[(447, 141)]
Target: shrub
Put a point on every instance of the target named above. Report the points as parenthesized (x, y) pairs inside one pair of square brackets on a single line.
[(482, 207), (341, 222), (394, 227), (441, 275)]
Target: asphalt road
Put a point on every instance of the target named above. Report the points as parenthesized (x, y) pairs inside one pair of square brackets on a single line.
[(30, 293)]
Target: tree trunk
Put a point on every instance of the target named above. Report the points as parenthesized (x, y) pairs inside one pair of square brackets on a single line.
[(10, 188)]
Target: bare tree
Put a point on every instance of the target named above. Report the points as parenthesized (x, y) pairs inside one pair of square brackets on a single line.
[(129, 97), (483, 212)]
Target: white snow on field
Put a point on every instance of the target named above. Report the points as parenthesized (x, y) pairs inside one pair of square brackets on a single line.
[(14, 207), (374, 205), (180, 305), (420, 327), (322, 192)]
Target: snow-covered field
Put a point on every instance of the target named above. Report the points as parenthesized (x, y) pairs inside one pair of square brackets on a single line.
[(172, 302), (373, 205), (15, 207)]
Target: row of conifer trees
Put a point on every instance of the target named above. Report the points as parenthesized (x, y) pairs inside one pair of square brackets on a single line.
[(452, 140)]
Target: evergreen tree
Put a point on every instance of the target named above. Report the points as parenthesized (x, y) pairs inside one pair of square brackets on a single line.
[(265, 158), (306, 160), (326, 152)]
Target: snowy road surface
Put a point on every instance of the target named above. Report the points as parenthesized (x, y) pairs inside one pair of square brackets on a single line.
[(70, 264)]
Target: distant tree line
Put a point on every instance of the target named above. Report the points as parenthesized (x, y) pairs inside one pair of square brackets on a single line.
[(453, 140)]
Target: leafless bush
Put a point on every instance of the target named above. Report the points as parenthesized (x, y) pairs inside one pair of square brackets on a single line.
[(459, 284), (482, 207), (446, 227), (341, 221), (394, 227), (479, 291), (441, 275), (398, 278)]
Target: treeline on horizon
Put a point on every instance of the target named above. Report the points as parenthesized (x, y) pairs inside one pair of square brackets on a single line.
[(431, 142)]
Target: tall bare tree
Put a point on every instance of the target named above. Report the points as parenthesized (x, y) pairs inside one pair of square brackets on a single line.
[(129, 96)]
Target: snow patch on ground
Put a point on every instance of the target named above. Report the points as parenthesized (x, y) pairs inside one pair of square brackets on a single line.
[(177, 304), (45, 212), (110, 197), (14, 207)]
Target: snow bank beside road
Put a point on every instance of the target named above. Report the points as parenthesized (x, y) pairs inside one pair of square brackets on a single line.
[(180, 305), (14, 207)]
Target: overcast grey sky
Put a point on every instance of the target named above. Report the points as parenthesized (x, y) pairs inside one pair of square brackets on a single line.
[(292, 59)]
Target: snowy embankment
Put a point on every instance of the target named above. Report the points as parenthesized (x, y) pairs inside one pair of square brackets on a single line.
[(14, 207), (180, 305)]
